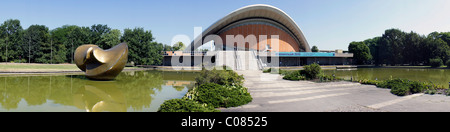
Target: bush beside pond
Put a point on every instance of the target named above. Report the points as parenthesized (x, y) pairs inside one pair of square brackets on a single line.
[(402, 87), (214, 89), (185, 105), (220, 96), (310, 72), (221, 77)]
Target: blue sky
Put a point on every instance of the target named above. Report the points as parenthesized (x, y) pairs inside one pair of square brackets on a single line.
[(328, 24)]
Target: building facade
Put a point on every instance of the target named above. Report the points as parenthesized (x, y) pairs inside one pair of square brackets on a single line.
[(264, 30)]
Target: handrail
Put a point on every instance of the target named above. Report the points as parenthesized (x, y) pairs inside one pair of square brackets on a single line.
[(258, 60), (237, 61)]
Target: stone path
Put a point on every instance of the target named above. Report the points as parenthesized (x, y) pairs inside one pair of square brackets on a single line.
[(273, 94)]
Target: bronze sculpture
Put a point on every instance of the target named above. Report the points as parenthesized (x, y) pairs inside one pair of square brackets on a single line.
[(101, 64)]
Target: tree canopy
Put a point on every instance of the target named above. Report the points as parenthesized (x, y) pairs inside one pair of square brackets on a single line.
[(314, 49), (142, 49), (38, 44), (396, 47), (361, 52)]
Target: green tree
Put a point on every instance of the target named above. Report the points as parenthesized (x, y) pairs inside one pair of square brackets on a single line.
[(167, 48), (373, 47), (435, 47), (179, 46), (59, 39), (11, 36), (392, 46), (142, 49), (71, 37), (412, 53), (77, 36), (110, 39), (314, 49), (361, 52), (445, 36), (97, 31), (37, 44)]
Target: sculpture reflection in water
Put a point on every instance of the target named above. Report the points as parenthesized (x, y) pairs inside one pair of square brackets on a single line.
[(101, 64), (131, 91), (99, 97)]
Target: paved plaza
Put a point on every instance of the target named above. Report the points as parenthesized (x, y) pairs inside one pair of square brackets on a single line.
[(273, 94)]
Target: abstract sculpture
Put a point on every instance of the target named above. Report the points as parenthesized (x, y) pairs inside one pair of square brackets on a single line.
[(101, 64)]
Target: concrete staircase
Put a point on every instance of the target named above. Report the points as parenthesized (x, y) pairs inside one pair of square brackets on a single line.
[(238, 60)]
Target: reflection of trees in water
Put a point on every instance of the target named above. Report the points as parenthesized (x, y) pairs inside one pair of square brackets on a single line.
[(35, 90), (138, 87), (100, 96), (135, 89)]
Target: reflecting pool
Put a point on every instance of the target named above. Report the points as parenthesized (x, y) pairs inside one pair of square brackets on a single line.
[(437, 76), (131, 91)]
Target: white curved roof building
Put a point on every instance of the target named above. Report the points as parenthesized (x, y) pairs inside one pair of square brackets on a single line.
[(259, 20)]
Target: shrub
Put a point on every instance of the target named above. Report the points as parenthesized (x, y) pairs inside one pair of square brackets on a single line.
[(221, 96), (221, 77), (400, 89), (416, 87), (185, 105), (294, 75), (390, 83), (325, 78), (312, 71), (270, 70), (370, 82), (404, 87), (436, 62)]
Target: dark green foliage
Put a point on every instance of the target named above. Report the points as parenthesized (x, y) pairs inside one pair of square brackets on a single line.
[(403, 87), (361, 52), (210, 94), (97, 31), (185, 105), (268, 70), (312, 71), (416, 87), (142, 49), (11, 35), (38, 44), (295, 75), (314, 49), (272, 70), (326, 78), (436, 62), (370, 82), (392, 43), (222, 96), (179, 46), (399, 89), (396, 47), (221, 77)]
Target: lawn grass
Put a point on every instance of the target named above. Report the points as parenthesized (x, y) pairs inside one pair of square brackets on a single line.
[(37, 66)]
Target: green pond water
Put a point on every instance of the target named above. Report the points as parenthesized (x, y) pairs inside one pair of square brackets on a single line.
[(437, 76), (131, 91)]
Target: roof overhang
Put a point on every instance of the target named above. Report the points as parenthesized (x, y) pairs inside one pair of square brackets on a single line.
[(260, 11)]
